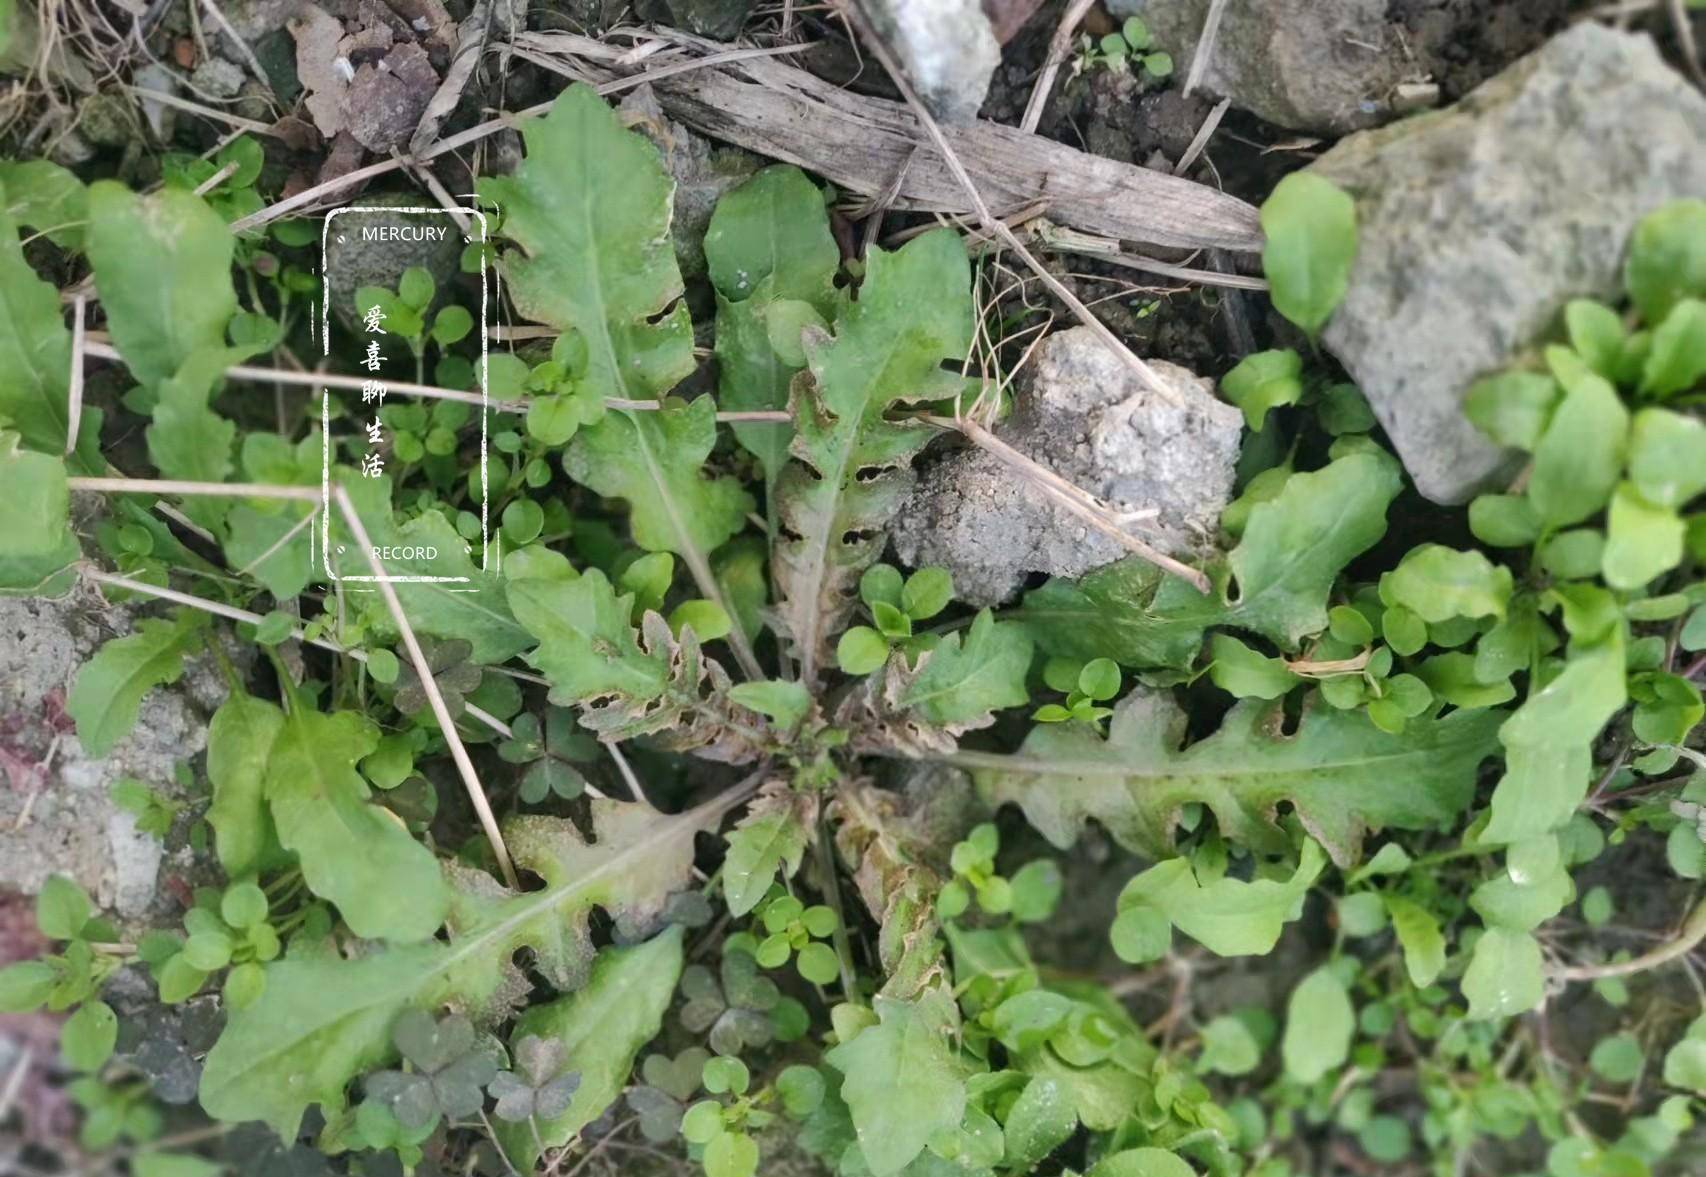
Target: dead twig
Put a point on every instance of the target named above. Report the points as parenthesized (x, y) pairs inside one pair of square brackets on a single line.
[(462, 139), (74, 399), (1205, 45), (99, 349), (1059, 49), (435, 697)]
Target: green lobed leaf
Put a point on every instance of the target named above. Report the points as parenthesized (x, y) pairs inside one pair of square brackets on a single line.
[(1311, 229), (1549, 743), (1227, 916), (772, 834), (1667, 457), (1293, 548), (587, 644), (1419, 936), (902, 1081), (109, 688), (1642, 540), (162, 266), (1341, 774), (960, 686), (1264, 380), (240, 741), (320, 1021), (38, 505), (1677, 358), (385, 884), (768, 242), (43, 196), (35, 348), (1667, 258), (1579, 457), (1505, 976), (1438, 583), (853, 470), (1319, 1023), (590, 207), (1246, 674)]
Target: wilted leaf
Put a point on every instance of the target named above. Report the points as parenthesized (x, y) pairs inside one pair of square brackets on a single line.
[(853, 471)]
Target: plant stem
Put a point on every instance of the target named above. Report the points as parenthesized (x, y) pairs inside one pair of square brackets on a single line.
[(832, 891), (1688, 938)]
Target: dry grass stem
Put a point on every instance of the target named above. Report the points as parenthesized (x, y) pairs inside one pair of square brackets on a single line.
[(1059, 49), (435, 697), (1689, 937), (98, 348), (74, 401), (1205, 45)]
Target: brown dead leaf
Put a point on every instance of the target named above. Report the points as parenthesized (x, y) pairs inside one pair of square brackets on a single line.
[(320, 68)]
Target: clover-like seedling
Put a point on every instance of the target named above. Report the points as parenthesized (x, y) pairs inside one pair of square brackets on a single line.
[(1029, 897), (1087, 685), (70, 979), (895, 605), (551, 751), (1119, 50), (718, 1128), (229, 930), (737, 1010), (539, 1086), (662, 1099), (449, 1067), (456, 677), (795, 930)]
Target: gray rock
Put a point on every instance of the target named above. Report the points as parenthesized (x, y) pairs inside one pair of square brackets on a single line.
[(1479, 222), (1328, 66), (386, 99), (256, 19), (1082, 413), (72, 825), (218, 77), (352, 262), (947, 49)]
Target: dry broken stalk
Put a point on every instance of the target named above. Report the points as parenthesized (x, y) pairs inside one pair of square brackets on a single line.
[(473, 135), (98, 348), (452, 738), (1059, 49), (447, 725), (991, 223), (1075, 499)]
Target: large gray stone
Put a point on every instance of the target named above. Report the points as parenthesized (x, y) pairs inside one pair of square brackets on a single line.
[(1081, 412), (947, 49), (61, 819), (1329, 66), (1479, 222)]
